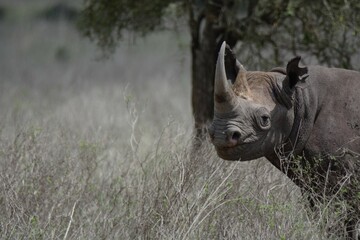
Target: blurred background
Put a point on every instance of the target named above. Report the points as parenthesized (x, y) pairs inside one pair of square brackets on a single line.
[(49, 71)]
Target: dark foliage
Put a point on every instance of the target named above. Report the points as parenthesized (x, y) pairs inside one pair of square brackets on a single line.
[(104, 21), (269, 31)]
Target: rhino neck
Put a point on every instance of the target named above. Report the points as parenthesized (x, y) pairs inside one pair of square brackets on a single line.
[(305, 112), (301, 115)]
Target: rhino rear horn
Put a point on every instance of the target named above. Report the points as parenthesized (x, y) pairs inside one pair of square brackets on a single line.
[(229, 71), (232, 66), (235, 72)]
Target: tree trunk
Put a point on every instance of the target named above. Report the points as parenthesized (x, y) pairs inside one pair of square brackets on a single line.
[(204, 49)]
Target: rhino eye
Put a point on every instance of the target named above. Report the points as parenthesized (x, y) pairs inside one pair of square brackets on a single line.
[(263, 118)]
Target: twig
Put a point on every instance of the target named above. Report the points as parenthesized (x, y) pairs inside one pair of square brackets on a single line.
[(71, 219)]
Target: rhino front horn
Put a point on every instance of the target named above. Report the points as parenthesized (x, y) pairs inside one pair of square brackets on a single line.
[(223, 94)]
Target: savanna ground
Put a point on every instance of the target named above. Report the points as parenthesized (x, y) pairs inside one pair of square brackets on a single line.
[(95, 149)]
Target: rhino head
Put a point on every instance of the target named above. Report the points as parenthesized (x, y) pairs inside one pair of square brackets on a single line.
[(253, 111)]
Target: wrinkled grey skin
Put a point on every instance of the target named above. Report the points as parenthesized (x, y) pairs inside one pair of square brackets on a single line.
[(313, 112)]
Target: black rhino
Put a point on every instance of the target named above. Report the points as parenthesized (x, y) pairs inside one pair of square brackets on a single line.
[(298, 118)]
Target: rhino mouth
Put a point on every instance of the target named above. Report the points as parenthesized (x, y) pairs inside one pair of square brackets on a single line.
[(241, 152), (233, 153)]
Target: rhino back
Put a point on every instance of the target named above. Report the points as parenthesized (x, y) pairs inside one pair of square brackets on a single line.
[(333, 114)]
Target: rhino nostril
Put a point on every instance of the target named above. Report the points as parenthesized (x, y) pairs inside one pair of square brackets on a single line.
[(235, 136)]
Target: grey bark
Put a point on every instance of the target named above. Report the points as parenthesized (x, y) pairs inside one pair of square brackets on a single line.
[(207, 34)]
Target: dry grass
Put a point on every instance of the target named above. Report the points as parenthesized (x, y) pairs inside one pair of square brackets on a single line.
[(101, 150)]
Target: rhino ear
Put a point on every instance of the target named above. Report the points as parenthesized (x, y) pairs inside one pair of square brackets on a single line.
[(294, 73)]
